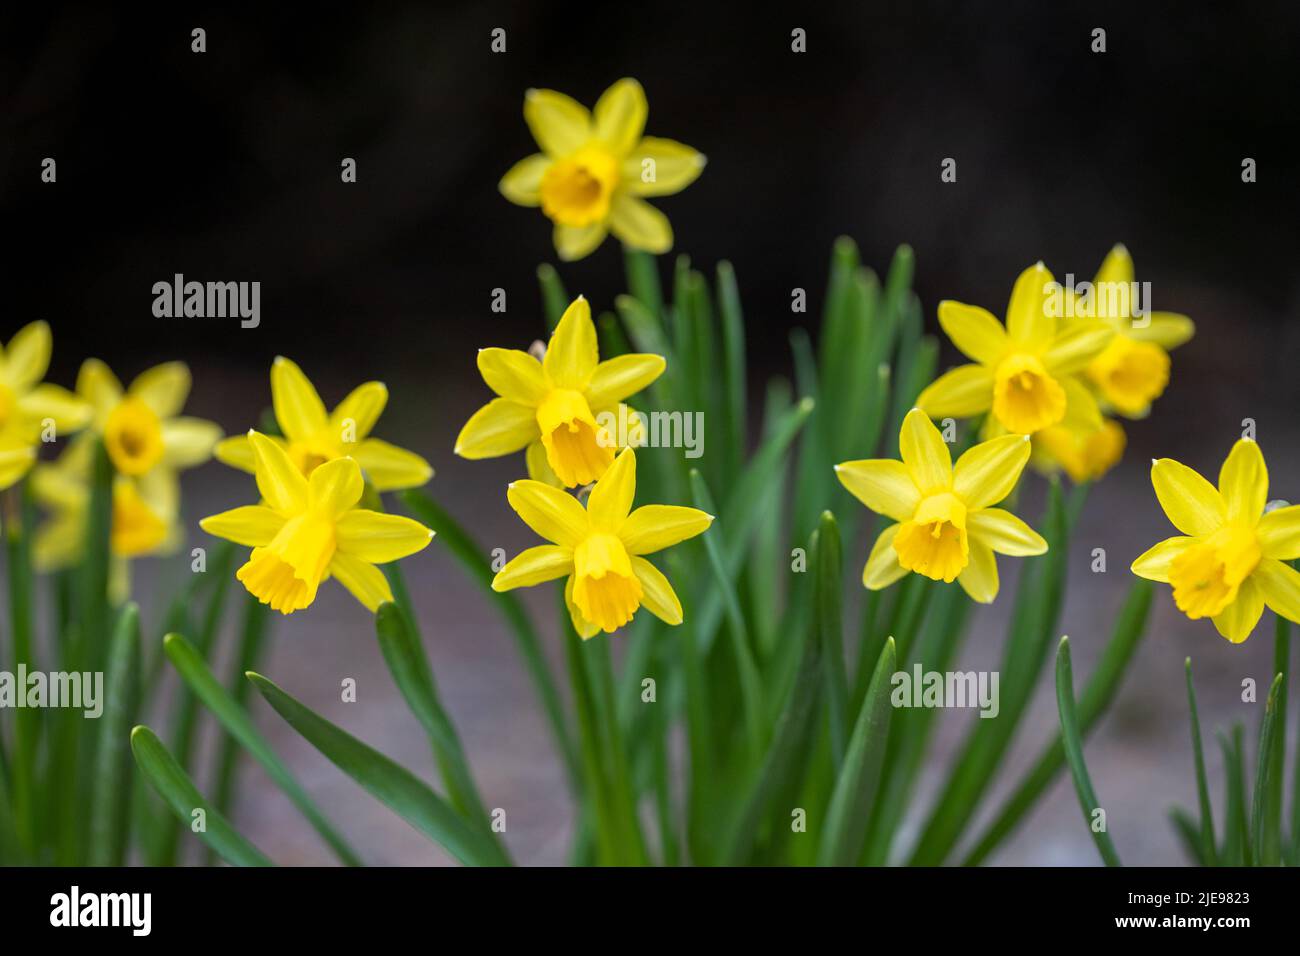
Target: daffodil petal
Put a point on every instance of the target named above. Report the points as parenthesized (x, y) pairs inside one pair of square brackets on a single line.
[(1004, 532), (253, 526), (1192, 504), (559, 123), (660, 167), (356, 415), (366, 582), (639, 225), (280, 483), (14, 463), (97, 384), (522, 183), (974, 331), (924, 452), (961, 392), (979, 579), (986, 473), (390, 468), (57, 486), (1280, 585), (652, 528), (1279, 533), (58, 543), (1238, 619), (577, 242), (539, 468), (188, 442), (1075, 346), (622, 376), (1153, 564), (882, 484), (552, 513), (335, 486), (237, 452), (160, 490), (1081, 410), (610, 502), (1166, 329), (298, 407), (513, 374), (27, 357), (378, 538), (545, 562), (882, 568), (620, 114), (572, 354), (1116, 268), (68, 411), (657, 594), (1028, 322), (498, 428), (1243, 482), (584, 628), (164, 388)]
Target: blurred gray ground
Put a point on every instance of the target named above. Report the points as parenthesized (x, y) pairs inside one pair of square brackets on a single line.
[(1139, 755)]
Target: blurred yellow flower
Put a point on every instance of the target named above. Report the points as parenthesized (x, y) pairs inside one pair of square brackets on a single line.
[(1133, 369), (144, 510), (600, 548), (595, 167), (313, 437), (141, 427), (1024, 372), (1228, 561), (552, 407), (310, 529), (28, 406), (946, 526), (144, 521), (1085, 454)]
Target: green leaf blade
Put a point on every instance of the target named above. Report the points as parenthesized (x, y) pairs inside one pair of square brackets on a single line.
[(390, 783), (189, 664), (174, 785), (850, 807), (1073, 743)]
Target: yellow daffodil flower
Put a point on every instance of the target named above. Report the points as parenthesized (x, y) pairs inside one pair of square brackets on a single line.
[(29, 406), (1024, 372), (1084, 454), (552, 407), (144, 510), (1133, 369), (141, 427), (310, 529), (946, 526), (595, 167), (600, 548), (144, 519), (313, 437), (1228, 561)]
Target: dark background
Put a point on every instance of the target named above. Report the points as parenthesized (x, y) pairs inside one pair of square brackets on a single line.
[(225, 166)]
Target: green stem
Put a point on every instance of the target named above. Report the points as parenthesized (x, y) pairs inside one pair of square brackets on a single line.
[(1207, 839), (471, 558), (16, 517), (596, 790), (252, 640), (621, 790), (187, 708)]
